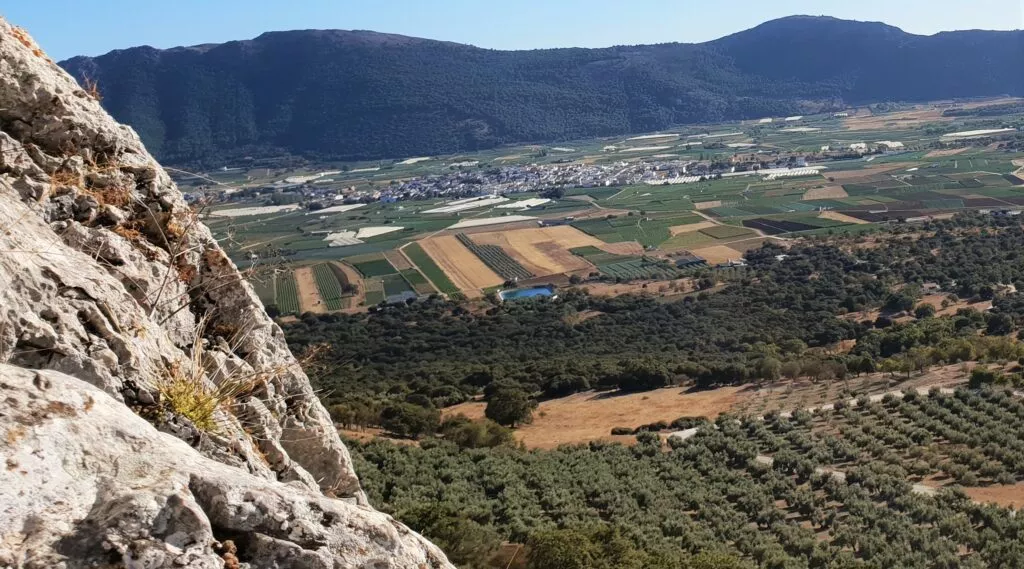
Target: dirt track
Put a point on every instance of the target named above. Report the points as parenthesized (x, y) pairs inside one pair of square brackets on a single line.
[(309, 296)]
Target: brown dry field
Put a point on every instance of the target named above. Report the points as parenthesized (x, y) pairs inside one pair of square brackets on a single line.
[(397, 260), (907, 119), (465, 269), (690, 228), (590, 416), (946, 152), (708, 204), (309, 296), (623, 248), (836, 216), (718, 254), (639, 287), (847, 175), (1007, 496), (543, 250), (915, 117), (828, 192)]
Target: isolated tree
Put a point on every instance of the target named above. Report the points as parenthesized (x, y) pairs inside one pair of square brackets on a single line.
[(924, 310), (510, 406)]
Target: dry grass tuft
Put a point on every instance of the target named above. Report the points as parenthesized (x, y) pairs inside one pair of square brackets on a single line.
[(188, 394), (65, 178), (131, 231), (186, 391), (91, 89), (115, 196)]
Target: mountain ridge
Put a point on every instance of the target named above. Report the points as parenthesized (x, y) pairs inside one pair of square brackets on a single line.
[(362, 95)]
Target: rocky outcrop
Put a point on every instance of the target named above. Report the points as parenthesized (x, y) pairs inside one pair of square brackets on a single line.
[(85, 482), (113, 289)]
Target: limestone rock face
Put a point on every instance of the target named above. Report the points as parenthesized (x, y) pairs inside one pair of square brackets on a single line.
[(85, 482), (111, 288)]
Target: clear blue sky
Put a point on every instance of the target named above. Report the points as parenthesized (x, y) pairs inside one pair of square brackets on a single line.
[(79, 27)]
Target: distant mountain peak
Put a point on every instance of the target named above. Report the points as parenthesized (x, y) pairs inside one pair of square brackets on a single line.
[(355, 94)]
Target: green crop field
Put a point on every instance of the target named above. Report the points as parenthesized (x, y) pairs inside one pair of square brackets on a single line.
[(639, 268), (375, 268), (430, 269), (418, 282), (395, 284), (647, 230), (726, 231), (329, 287), (287, 294)]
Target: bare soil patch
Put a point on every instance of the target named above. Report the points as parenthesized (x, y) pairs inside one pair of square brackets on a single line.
[(623, 248), (309, 296), (836, 216), (465, 269), (945, 152), (585, 417), (398, 260), (708, 204), (908, 119), (659, 288), (1005, 495), (718, 254), (828, 192), (690, 228)]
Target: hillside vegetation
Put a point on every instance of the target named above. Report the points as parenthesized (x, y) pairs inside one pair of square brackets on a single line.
[(341, 94)]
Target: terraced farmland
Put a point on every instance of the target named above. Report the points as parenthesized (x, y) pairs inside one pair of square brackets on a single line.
[(496, 258)]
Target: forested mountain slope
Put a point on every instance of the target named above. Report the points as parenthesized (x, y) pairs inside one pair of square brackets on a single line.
[(357, 94)]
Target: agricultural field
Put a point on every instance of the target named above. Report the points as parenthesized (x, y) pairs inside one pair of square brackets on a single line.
[(429, 268), (649, 231), (545, 250), (287, 295), (929, 171), (329, 287), (496, 258), (469, 274), (417, 281), (373, 266)]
